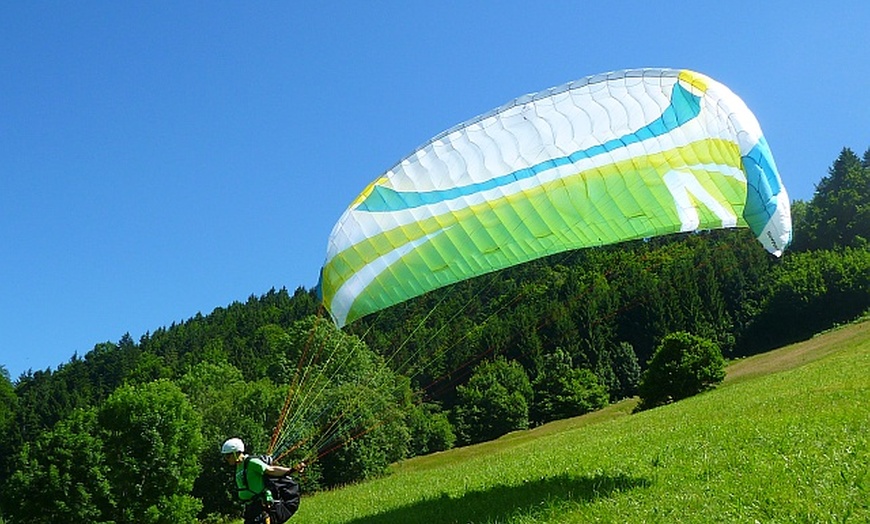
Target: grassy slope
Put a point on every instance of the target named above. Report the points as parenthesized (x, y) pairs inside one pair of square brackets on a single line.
[(784, 439)]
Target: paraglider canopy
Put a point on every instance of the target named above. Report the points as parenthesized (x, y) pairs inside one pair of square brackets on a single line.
[(613, 157)]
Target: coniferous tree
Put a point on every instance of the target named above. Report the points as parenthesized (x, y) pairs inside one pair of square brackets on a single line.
[(8, 410), (626, 368), (839, 213)]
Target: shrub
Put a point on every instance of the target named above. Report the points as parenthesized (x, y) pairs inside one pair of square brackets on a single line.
[(430, 429), (562, 391), (495, 401), (682, 365)]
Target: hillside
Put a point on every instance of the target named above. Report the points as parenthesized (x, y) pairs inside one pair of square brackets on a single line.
[(782, 440)]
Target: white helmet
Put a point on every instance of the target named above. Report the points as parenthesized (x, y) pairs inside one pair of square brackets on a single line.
[(233, 445)]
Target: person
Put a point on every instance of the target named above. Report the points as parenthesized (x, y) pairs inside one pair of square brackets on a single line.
[(251, 476)]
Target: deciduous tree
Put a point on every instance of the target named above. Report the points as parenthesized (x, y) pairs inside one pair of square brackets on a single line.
[(151, 440), (495, 401), (562, 391), (62, 476), (683, 365)]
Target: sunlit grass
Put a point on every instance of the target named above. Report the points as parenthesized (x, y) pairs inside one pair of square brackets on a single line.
[(786, 446)]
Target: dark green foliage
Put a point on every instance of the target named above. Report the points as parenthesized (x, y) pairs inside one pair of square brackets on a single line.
[(149, 367), (132, 460), (430, 430), (495, 401), (45, 397), (151, 441), (278, 356), (562, 391), (348, 408), (369, 435), (810, 292), (8, 409), (362, 453), (63, 473), (229, 407), (231, 334), (683, 365), (626, 369), (839, 213)]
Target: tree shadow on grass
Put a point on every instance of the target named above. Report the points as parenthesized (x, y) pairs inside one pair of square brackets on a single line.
[(499, 503)]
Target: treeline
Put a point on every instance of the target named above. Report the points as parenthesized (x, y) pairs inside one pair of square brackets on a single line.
[(130, 431)]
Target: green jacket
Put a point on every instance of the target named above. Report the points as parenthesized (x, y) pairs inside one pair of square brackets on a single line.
[(250, 480)]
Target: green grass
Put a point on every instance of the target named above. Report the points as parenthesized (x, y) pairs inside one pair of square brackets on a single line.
[(783, 439)]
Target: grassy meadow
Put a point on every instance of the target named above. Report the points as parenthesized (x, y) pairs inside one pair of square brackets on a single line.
[(783, 439)]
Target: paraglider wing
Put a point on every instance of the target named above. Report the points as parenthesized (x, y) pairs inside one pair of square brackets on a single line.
[(625, 155)]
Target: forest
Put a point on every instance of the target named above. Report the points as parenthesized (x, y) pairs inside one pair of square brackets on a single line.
[(130, 431)]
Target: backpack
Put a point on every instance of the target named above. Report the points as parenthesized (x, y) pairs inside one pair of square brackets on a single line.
[(284, 489)]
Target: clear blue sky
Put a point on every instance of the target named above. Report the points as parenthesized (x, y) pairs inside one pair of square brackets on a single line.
[(160, 159)]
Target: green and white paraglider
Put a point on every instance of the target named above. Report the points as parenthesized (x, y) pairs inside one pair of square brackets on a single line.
[(625, 155)]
